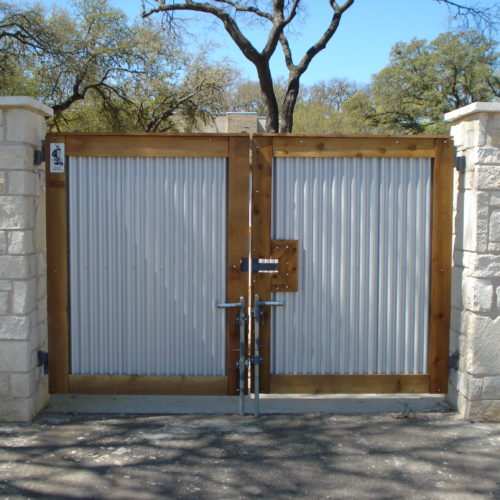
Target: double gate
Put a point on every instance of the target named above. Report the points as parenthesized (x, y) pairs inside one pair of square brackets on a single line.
[(147, 233)]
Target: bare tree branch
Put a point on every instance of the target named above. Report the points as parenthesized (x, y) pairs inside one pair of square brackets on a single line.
[(280, 14), (248, 8), (153, 124), (326, 37), (229, 22), (473, 15)]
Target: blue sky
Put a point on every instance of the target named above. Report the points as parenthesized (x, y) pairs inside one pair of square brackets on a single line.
[(359, 49)]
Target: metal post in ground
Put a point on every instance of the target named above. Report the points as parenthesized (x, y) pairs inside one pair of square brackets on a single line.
[(258, 316), (241, 363)]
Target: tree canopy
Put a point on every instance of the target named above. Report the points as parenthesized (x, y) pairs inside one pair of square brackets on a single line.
[(132, 76), (425, 79), (101, 72)]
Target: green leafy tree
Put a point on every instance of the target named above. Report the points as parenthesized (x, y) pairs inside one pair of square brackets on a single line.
[(99, 72), (327, 108), (352, 116), (424, 80), (331, 93)]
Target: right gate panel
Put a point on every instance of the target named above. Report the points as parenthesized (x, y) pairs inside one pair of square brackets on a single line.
[(371, 220), (363, 227)]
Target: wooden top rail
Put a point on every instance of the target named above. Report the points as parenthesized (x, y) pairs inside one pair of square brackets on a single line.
[(143, 144), (146, 145), (355, 147)]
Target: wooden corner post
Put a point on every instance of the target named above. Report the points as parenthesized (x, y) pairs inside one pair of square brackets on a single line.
[(57, 263), (442, 207)]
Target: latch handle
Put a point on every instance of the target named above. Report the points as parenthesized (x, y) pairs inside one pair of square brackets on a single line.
[(228, 305), (269, 303)]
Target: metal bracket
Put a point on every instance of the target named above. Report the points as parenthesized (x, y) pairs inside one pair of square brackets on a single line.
[(241, 319), (256, 360), (460, 161), (43, 360), (453, 361), (39, 154), (245, 363)]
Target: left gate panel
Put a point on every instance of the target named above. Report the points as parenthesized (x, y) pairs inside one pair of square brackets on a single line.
[(147, 261), (147, 251)]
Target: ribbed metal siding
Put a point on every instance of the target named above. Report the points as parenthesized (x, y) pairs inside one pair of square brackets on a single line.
[(147, 264), (363, 227)]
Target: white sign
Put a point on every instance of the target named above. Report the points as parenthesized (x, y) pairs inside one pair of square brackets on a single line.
[(57, 158)]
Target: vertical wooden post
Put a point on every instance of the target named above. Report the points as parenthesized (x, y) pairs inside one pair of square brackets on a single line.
[(439, 328), (237, 247), (57, 273), (262, 163)]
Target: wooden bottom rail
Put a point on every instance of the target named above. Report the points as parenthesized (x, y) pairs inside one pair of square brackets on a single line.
[(146, 384), (349, 384)]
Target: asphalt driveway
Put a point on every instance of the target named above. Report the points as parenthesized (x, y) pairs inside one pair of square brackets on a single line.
[(402, 455)]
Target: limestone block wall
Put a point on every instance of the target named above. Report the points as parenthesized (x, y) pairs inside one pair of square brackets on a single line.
[(23, 297), (475, 316)]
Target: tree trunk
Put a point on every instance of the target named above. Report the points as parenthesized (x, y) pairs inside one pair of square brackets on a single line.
[(267, 89), (292, 93)]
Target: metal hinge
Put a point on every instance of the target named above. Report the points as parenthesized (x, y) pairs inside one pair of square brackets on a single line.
[(460, 161), (39, 154), (453, 360), (43, 360)]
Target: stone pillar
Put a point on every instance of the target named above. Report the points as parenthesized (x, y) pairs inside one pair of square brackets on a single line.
[(23, 301), (475, 317)]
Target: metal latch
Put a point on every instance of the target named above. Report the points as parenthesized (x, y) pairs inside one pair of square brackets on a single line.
[(260, 265)]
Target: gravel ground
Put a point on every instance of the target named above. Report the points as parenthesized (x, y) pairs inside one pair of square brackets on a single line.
[(65, 456)]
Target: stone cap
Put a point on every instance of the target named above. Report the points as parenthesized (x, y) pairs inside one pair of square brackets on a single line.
[(475, 107), (25, 102)]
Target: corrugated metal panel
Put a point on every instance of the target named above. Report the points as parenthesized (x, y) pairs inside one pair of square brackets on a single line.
[(363, 227), (147, 265)]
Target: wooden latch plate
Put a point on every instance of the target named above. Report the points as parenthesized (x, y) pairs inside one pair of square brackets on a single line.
[(287, 277)]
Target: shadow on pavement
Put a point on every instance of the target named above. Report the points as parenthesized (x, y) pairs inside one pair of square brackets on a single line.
[(61, 456)]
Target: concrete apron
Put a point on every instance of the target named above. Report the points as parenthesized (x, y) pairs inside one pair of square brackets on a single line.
[(269, 404)]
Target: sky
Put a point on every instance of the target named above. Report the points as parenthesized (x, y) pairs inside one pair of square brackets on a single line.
[(359, 48)]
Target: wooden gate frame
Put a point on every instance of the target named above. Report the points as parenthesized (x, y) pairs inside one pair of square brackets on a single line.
[(235, 148), (266, 147)]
